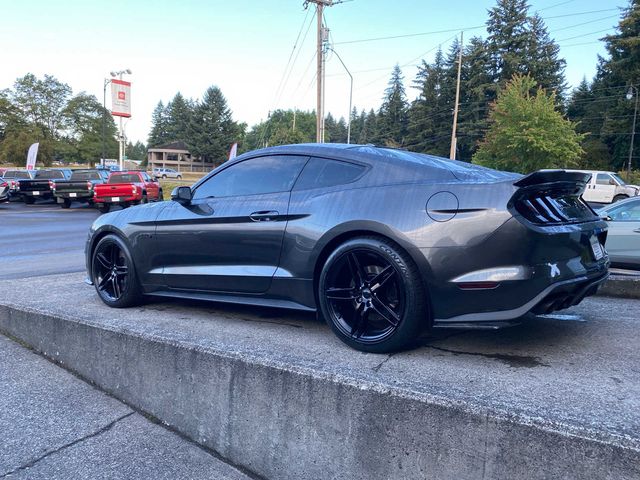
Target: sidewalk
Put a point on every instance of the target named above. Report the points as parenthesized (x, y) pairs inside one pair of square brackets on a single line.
[(55, 426)]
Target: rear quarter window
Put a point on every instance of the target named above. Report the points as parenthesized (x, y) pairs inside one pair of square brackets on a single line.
[(324, 173)]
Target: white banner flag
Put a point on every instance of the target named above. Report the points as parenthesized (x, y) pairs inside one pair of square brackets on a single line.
[(31, 156), (120, 98), (234, 151)]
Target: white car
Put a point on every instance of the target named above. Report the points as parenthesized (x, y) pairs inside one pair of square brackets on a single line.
[(607, 187), (166, 173), (623, 237)]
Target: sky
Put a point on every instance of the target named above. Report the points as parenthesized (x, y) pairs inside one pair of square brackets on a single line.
[(244, 47)]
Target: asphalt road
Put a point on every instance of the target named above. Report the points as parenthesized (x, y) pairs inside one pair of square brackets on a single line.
[(42, 239)]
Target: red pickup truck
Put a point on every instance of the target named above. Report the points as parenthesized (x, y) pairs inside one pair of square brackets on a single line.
[(126, 189)]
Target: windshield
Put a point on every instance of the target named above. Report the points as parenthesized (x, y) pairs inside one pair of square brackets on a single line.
[(45, 174), (124, 178), (85, 175), (618, 179)]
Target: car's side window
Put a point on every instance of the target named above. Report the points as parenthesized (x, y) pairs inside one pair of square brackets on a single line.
[(253, 176), (629, 212), (322, 172), (603, 179)]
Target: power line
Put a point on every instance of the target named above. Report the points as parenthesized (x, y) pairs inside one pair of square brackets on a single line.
[(391, 37), (556, 5), (583, 35), (584, 23)]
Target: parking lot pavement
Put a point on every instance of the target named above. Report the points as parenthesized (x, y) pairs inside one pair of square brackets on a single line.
[(43, 238), (55, 426)]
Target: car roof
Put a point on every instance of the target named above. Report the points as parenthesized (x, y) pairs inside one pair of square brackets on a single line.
[(410, 162), (619, 203)]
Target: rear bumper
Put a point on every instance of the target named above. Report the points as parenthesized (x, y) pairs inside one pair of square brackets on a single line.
[(132, 198), (78, 195), (557, 296)]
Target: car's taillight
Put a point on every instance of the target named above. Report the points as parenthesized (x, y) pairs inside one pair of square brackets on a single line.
[(4, 184), (135, 190), (89, 186), (52, 185), (13, 184), (18, 186)]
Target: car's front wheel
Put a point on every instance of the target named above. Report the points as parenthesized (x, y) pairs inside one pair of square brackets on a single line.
[(618, 198), (371, 294), (114, 273)]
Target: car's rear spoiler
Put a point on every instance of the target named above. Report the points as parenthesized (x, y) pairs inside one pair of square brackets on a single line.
[(541, 178)]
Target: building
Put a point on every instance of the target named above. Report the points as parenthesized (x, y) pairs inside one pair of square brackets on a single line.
[(176, 155)]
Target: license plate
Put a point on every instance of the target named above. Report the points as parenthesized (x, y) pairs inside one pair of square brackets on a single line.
[(36, 193), (73, 195), (596, 248), (115, 199)]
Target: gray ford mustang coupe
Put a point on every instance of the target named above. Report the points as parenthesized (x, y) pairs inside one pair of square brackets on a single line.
[(383, 243)]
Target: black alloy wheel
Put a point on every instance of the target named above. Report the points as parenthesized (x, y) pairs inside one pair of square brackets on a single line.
[(104, 207), (144, 199), (29, 200), (371, 295), (114, 274), (66, 203)]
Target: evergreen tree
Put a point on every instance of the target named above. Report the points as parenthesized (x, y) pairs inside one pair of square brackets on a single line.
[(159, 126), (179, 112), (429, 117), (213, 129), (392, 121)]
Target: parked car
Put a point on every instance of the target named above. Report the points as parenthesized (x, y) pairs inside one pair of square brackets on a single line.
[(607, 187), (12, 177), (4, 191), (80, 186), (41, 186), (126, 189), (384, 243), (623, 239), (166, 173)]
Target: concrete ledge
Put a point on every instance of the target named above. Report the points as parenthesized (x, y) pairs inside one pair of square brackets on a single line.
[(260, 402), (621, 286)]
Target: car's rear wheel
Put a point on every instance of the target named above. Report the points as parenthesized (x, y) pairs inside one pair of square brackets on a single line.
[(144, 199), (179, 177), (164, 176), (103, 207), (617, 198), (66, 203), (29, 200), (114, 273), (371, 294)]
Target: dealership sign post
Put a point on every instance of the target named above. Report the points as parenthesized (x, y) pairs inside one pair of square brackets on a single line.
[(121, 107), (31, 156)]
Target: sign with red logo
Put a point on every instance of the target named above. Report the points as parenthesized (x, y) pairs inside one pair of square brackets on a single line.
[(120, 98)]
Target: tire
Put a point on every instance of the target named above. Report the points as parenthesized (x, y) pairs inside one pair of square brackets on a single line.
[(179, 177), (113, 273), (29, 200), (66, 203), (164, 177), (160, 196), (617, 198), (144, 199), (371, 294), (104, 207)]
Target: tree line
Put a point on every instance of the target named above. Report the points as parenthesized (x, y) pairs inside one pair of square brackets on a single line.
[(513, 93)]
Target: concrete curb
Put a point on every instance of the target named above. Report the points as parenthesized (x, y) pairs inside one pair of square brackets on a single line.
[(621, 286), (287, 422)]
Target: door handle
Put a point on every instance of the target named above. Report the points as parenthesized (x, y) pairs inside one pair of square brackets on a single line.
[(263, 215)]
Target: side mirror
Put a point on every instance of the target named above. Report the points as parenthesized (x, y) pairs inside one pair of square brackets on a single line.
[(182, 195), (606, 218)]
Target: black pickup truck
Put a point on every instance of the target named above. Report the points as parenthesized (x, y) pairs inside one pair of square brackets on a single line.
[(41, 184), (79, 187)]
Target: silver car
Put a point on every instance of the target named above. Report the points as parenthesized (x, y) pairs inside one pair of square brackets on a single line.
[(623, 239), (166, 173)]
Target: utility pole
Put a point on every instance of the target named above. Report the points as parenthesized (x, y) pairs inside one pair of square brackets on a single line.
[(454, 139), (321, 36)]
